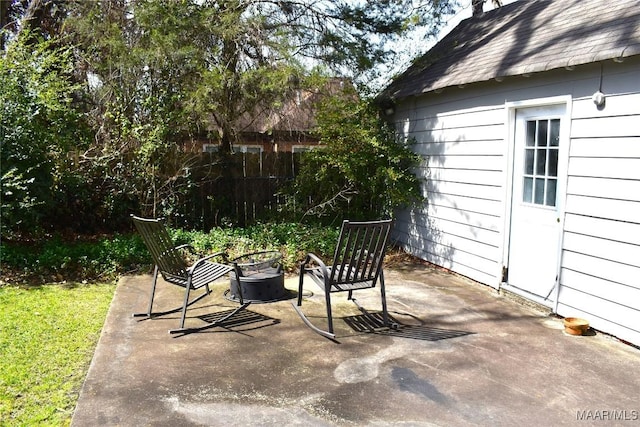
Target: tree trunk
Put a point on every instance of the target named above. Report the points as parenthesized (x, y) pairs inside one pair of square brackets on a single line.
[(477, 7), (4, 19)]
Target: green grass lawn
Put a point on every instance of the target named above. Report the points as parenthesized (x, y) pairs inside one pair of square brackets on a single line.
[(47, 338)]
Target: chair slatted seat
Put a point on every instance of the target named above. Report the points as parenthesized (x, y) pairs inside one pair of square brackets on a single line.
[(171, 265), (357, 264)]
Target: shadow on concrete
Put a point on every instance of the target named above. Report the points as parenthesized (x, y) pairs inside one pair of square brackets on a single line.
[(373, 323), (244, 320)]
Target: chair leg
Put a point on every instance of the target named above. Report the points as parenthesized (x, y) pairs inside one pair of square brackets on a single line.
[(300, 283), (153, 292), (187, 291), (385, 314), (327, 298)]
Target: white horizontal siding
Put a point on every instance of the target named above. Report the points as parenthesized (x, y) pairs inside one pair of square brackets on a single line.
[(617, 293), (447, 251), (453, 188), (468, 176), (604, 228), (600, 275), (446, 255), (622, 147), (604, 188), (474, 162), (612, 250), (608, 316), (478, 134), (466, 204), (605, 269), (602, 167), (463, 171), (475, 220), (465, 119), (619, 210), (605, 127), (466, 148)]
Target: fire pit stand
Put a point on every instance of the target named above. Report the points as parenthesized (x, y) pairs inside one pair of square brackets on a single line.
[(261, 278)]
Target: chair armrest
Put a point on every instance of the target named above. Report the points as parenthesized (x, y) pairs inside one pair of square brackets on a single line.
[(187, 247), (311, 257), (223, 255)]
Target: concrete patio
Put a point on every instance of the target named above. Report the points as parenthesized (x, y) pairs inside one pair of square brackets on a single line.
[(463, 356)]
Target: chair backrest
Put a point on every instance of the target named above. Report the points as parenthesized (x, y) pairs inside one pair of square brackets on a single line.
[(168, 259), (360, 251)]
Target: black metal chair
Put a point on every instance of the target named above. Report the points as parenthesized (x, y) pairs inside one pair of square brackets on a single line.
[(357, 264), (170, 263)]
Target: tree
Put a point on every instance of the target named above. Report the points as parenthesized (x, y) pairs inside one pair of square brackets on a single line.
[(41, 18), (164, 73), (159, 74), (38, 128), (477, 6), (362, 171), (4, 20), (221, 58)]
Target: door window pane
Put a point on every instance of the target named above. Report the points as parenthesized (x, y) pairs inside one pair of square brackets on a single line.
[(553, 163), (541, 162), (539, 191), (543, 134), (528, 162), (527, 193), (551, 192), (554, 133), (531, 133)]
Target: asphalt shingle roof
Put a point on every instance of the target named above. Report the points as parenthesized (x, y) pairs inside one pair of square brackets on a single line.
[(527, 36)]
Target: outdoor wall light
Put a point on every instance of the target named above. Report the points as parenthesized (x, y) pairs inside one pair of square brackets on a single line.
[(599, 99)]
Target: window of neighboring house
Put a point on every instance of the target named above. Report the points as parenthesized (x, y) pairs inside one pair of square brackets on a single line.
[(210, 148), (251, 149), (301, 148), (248, 162), (298, 149)]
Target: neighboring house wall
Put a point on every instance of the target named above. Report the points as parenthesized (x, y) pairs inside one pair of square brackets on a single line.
[(466, 137)]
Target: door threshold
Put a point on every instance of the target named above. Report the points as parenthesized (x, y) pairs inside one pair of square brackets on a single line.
[(527, 298)]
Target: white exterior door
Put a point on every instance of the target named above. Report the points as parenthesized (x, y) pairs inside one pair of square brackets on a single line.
[(535, 226)]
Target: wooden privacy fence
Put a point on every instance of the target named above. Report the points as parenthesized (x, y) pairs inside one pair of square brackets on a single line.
[(241, 188)]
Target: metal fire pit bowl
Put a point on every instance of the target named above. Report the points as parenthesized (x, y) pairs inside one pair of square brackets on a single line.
[(261, 278)]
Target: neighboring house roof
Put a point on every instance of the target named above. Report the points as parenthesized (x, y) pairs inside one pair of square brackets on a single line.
[(527, 36)]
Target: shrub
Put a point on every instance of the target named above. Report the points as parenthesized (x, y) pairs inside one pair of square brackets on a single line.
[(362, 172), (56, 259)]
